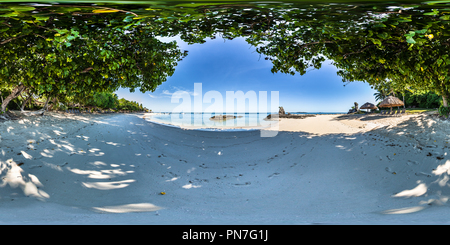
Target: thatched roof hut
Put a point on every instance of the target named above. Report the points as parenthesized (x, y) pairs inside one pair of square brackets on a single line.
[(391, 101), (369, 106)]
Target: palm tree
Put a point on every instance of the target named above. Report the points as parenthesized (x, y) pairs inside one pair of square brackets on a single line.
[(379, 96), (383, 92)]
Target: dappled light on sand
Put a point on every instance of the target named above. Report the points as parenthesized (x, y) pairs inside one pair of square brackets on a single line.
[(128, 208), (230, 175), (404, 210), (416, 192), (28, 183), (439, 187), (102, 174), (80, 168), (189, 186), (108, 185)]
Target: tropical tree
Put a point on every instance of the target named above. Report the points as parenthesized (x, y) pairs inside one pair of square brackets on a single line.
[(70, 55), (106, 100)]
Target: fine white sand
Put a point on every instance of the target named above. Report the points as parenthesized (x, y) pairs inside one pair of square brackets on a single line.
[(331, 169)]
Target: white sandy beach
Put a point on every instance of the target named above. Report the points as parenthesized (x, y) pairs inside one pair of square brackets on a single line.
[(329, 169)]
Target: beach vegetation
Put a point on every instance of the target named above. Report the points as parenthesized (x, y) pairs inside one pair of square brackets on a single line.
[(418, 110), (124, 104), (105, 100), (444, 111), (80, 51), (423, 99), (411, 111)]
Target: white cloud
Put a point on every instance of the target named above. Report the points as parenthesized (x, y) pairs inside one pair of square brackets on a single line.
[(168, 94)]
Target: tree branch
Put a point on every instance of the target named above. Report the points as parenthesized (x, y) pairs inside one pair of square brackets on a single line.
[(9, 40), (312, 43), (362, 50), (6, 24), (87, 69)]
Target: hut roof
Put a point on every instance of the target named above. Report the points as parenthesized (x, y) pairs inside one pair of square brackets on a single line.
[(368, 106), (391, 101)]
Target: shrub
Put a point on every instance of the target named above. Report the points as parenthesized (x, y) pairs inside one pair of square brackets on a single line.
[(60, 106), (444, 111)]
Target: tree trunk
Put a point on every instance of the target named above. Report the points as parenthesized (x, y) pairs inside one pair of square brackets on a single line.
[(25, 102), (53, 104), (41, 111), (444, 100), (46, 104), (14, 93)]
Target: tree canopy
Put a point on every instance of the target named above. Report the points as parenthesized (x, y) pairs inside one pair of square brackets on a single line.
[(82, 49), (74, 53)]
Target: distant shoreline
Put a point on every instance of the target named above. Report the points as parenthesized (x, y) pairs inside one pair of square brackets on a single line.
[(225, 113)]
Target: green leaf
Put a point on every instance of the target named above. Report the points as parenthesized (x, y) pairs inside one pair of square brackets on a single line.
[(380, 25), (383, 35), (376, 41), (410, 34), (405, 19), (435, 12), (128, 19), (39, 18), (22, 8), (62, 31), (423, 31), (74, 33), (410, 40), (11, 14), (67, 9), (70, 38)]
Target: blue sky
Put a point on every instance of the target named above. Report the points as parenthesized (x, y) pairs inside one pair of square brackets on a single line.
[(232, 65)]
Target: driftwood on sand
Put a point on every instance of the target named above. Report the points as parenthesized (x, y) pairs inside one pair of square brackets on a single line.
[(34, 113), (8, 116)]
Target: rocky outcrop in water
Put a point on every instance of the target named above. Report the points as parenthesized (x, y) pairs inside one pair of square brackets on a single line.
[(282, 114), (222, 117)]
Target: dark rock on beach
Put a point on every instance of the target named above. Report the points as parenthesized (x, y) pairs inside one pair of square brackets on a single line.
[(294, 116)]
